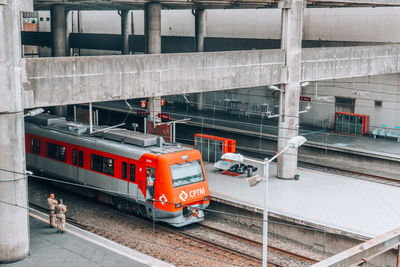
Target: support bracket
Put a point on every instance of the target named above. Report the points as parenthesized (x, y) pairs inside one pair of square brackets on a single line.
[(284, 74)]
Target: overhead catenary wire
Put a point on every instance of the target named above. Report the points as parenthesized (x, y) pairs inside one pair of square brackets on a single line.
[(247, 123), (316, 100), (115, 192), (110, 230), (265, 118), (320, 84)]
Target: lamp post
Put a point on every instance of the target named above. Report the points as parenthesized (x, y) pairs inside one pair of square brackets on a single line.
[(294, 142)]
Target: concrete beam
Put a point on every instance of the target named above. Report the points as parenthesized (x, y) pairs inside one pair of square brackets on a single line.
[(345, 62), (61, 81), (364, 252)]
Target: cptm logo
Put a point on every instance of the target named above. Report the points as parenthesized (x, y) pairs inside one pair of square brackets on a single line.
[(194, 193)]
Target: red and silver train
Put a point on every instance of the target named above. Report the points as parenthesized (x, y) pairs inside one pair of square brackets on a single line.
[(118, 162)]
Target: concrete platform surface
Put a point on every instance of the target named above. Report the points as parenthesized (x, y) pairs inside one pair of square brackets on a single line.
[(361, 144), (77, 248), (348, 204)]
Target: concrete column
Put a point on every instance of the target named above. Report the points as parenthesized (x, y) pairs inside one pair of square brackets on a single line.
[(68, 30), (199, 35), (125, 24), (292, 32), (58, 31), (200, 29), (152, 28), (14, 224), (154, 108), (152, 32)]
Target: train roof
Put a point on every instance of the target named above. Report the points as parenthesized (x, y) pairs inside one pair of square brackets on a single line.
[(116, 141)]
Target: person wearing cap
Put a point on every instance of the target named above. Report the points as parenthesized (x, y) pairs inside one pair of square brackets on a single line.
[(52, 202), (60, 210)]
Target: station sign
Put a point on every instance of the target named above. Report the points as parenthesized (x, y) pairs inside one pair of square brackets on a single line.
[(164, 116), (305, 98), (142, 112), (143, 103)]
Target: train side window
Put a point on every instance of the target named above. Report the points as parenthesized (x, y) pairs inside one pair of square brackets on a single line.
[(81, 159), (132, 173), (35, 146), (102, 164), (124, 170), (74, 157), (55, 151)]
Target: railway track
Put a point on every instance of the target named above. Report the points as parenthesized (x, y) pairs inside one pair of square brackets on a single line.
[(233, 255), (200, 246), (259, 244)]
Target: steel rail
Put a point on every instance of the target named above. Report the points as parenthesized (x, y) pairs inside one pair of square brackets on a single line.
[(270, 247)]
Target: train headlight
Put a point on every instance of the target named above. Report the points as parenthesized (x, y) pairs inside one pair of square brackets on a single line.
[(207, 198), (178, 206)]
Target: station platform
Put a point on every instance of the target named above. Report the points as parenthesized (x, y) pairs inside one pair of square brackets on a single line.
[(326, 201), (385, 148), (77, 248)]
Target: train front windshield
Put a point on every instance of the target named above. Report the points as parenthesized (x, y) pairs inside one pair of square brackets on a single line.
[(187, 173)]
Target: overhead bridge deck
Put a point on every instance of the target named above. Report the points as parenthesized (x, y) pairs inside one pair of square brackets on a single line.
[(74, 80), (205, 4)]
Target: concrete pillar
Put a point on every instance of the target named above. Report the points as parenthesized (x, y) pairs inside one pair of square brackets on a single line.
[(125, 24), (68, 30), (154, 108), (292, 32), (152, 32), (152, 28), (200, 29), (199, 35), (14, 224), (58, 31)]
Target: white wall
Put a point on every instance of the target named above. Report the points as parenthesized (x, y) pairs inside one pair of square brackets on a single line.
[(365, 90), (244, 23), (377, 24), (173, 22), (368, 24)]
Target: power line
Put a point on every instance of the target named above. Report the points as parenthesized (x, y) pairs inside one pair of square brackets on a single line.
[(131, 236), (263, 116), (125, 195)]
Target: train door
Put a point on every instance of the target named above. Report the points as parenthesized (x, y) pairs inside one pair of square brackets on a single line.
[(150, 182), (77, 173), (124, 186), (33, 159), (132, 184)]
